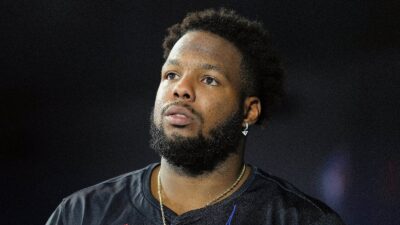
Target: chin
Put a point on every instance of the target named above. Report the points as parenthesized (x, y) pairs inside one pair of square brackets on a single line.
[(173, 132)]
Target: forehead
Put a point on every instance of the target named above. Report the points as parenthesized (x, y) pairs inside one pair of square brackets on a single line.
[(201, 47)]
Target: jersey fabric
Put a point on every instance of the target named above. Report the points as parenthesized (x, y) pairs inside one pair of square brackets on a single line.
[(127, 200)]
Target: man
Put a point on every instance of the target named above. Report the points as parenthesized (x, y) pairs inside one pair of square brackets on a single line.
[(219, 77)]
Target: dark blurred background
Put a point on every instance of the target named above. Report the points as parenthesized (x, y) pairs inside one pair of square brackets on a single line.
[(78, 81)]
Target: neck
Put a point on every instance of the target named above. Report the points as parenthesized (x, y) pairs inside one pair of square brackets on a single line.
[(182, 193)]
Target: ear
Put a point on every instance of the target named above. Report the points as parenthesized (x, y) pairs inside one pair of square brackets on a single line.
[(252, 109)]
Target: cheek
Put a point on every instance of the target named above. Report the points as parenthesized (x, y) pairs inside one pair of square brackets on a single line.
[(160, 99), (216, 111), (156, 114), (164, 90)]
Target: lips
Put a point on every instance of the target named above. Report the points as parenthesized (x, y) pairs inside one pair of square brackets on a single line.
[(178, 116)]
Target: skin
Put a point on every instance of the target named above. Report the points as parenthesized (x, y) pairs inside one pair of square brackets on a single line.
[(203, 72)]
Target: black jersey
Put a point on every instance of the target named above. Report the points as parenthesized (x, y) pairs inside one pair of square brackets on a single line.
[(127, 200)]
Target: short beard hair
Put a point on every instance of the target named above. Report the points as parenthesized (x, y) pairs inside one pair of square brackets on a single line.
[(198, 155)]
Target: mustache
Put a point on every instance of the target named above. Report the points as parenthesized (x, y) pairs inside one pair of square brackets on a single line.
[(182, 104)]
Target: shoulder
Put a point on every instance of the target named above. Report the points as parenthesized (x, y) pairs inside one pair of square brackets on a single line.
[(278, 195), (110, 188), (98, 199), (280, 190)]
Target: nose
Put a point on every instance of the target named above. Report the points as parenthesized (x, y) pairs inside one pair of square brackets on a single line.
[(184, 89)]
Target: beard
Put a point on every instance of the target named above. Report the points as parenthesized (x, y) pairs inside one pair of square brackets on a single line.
[(198, 155)]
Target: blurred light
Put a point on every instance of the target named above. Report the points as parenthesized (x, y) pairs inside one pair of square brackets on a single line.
[(335, 178)]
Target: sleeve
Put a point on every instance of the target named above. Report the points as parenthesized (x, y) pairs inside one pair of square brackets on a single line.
[(69, 212), (56, 217)]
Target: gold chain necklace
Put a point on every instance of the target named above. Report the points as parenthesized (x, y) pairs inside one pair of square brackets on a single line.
[(209, 203)]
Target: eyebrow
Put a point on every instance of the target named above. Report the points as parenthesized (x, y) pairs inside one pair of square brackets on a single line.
[(205, 66), (211, 67)]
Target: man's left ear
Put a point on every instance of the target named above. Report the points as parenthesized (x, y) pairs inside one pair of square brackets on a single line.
[(252, 109)]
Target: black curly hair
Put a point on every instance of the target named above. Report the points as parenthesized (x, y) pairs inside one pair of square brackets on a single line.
[(261, 73)]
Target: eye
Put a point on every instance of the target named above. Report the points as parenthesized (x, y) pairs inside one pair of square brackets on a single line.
[(171, 76), (210, 81)]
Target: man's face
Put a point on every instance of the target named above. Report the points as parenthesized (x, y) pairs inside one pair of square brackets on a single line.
[(202, 71), (198, 98)]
